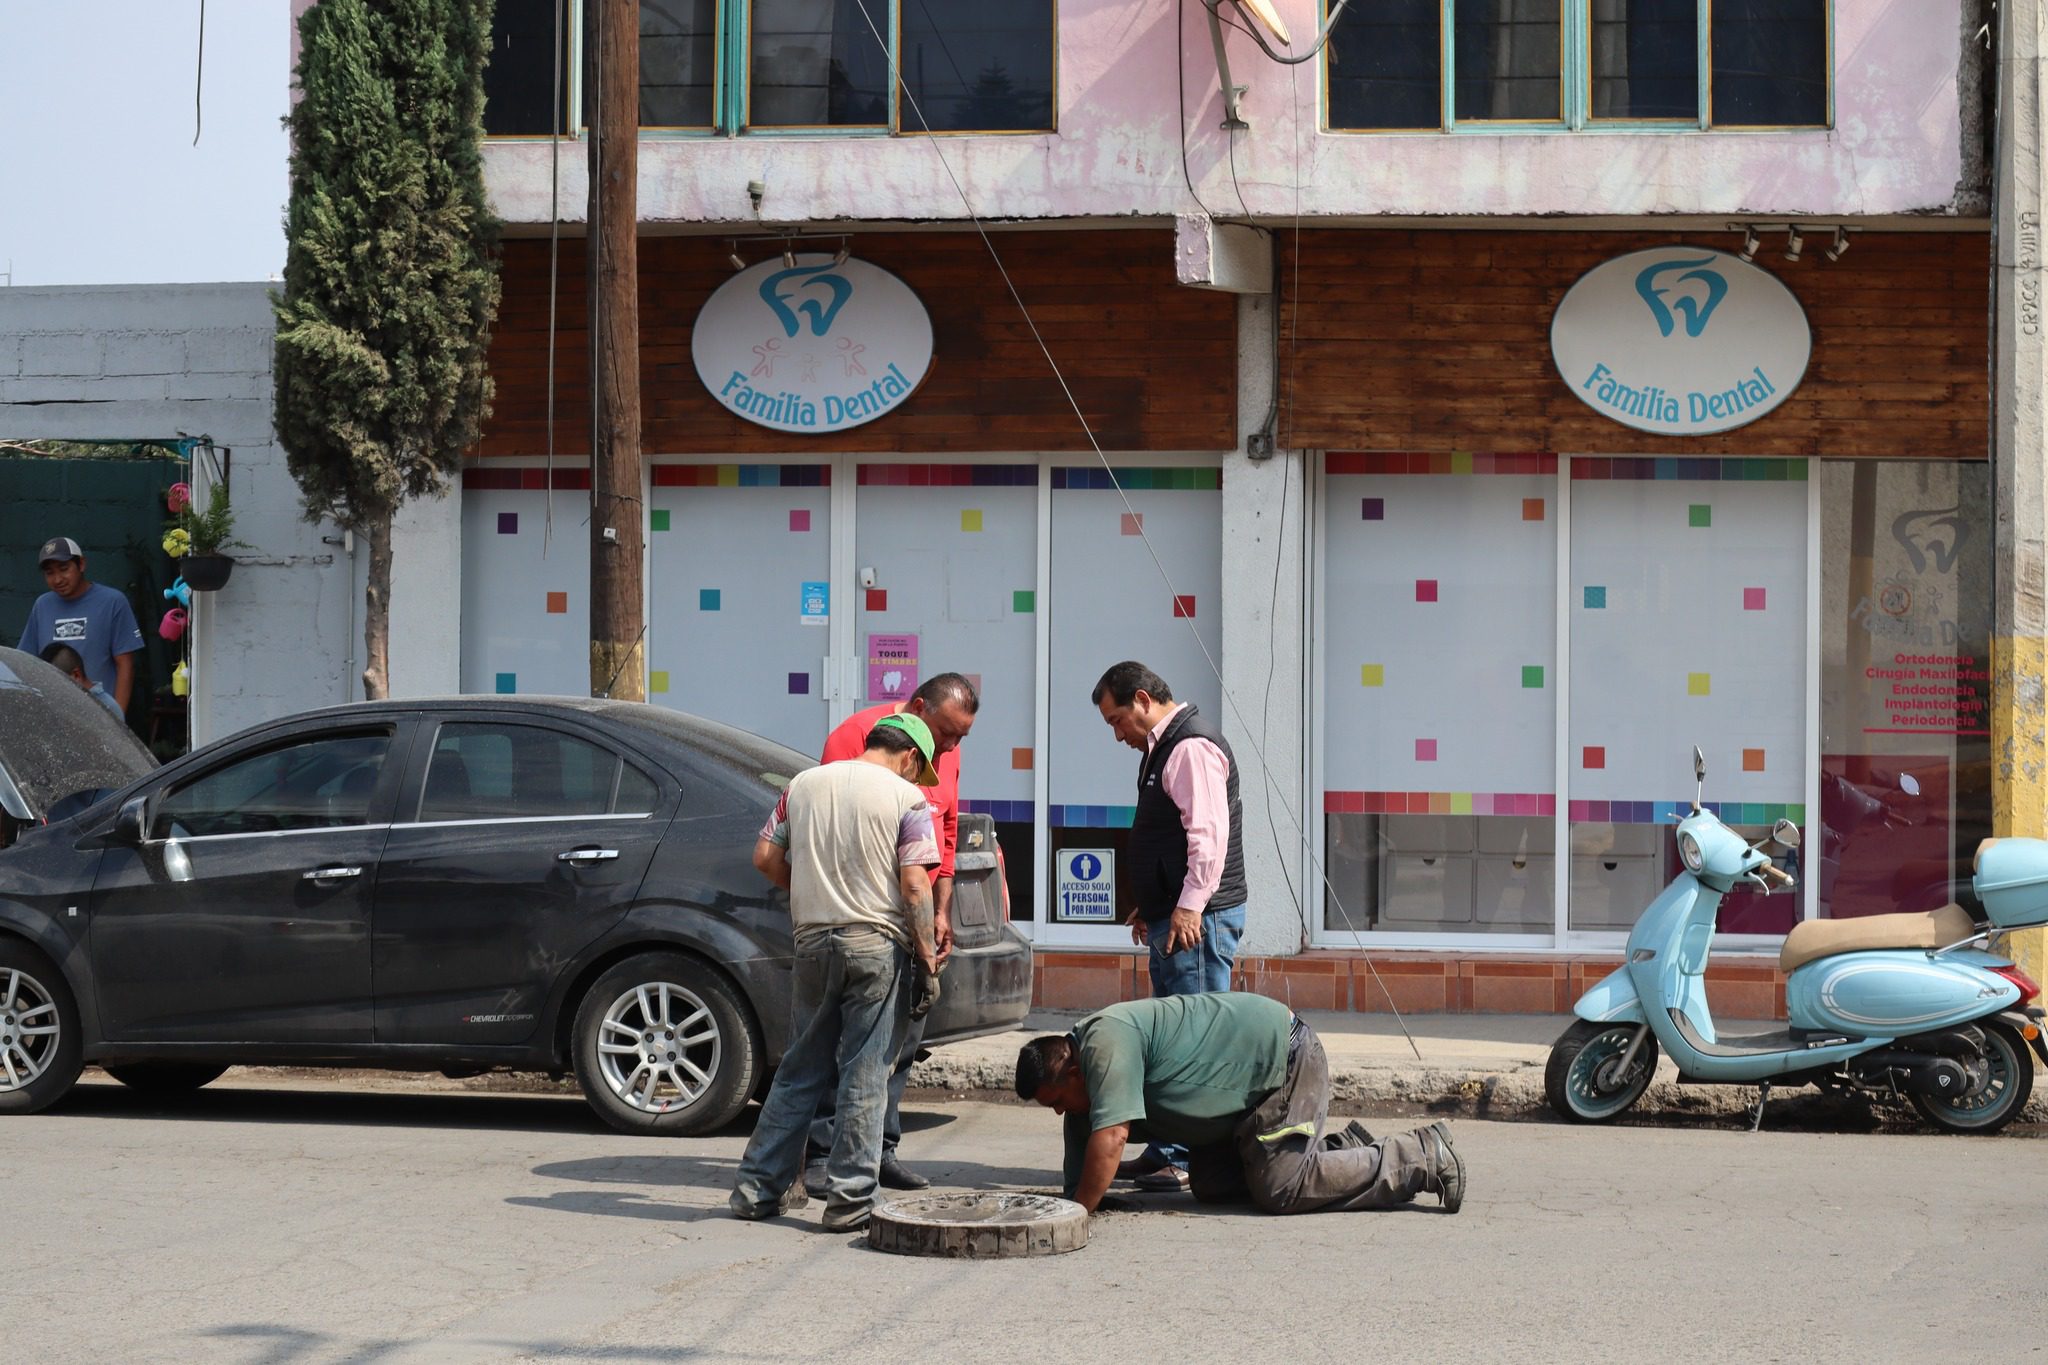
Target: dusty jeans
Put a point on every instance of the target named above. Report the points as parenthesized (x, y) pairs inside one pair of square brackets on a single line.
[(850, 1002), (1291, 1165)]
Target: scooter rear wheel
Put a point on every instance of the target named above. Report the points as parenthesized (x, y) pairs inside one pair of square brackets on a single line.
[(2003, 1095), (1580, 1080)]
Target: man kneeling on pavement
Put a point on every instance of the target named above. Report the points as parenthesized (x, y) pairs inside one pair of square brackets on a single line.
[(1242, 1082)]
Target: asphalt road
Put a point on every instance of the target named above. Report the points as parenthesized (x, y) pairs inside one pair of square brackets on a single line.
[(287, 1227)]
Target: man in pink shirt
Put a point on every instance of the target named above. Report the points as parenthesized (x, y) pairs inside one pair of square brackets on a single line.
[(946, 702), (1184, 862)]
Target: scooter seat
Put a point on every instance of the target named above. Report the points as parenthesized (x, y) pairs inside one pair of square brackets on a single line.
[(1811, 940)]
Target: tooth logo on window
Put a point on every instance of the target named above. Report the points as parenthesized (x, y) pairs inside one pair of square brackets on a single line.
[(1696, 312)]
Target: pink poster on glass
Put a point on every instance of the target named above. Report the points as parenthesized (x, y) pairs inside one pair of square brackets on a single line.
[(892, 667)]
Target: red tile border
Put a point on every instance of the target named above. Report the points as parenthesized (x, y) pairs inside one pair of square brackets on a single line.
[(1419, 982)]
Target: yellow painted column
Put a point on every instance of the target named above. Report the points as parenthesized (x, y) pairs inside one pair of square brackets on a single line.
[(2019, 766)]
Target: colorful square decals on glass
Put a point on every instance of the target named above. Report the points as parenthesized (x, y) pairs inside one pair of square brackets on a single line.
[(707, 599), (1699, 514), (657, 682), (1752, 599), (508, 682), (657, 520), (1024, 600), (1752, 760), (1532, 509), (1593, 756), (1532, 675), (558, 603), (799, 684), (1425, 751), (1020, 759), (799, 518), (1133, 524), (878, 599), (1425, 590), (1372, 675), (1596, 599), (970, 518), (1698, 684), (508, 523), (1184, 605), (1372, 509)]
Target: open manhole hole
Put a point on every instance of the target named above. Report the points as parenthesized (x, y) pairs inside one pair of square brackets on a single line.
[(978, 1226)]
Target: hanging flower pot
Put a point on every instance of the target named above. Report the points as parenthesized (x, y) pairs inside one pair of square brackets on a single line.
[(206, 573)]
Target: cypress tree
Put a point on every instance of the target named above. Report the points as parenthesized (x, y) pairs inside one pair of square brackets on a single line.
[(390, 282)]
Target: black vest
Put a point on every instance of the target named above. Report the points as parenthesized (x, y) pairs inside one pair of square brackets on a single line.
[(1157, 856)]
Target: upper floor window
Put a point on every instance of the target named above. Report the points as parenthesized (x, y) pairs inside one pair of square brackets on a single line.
[(1442, 65), (730, 66)]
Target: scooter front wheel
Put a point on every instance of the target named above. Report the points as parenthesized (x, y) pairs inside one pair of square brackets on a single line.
[(1584, 1081), (2005, 1083)]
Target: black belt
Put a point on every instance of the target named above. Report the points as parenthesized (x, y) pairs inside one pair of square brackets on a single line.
[(1296, 1037)]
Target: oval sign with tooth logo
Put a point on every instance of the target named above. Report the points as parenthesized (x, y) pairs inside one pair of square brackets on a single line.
[(1680, 341), (814, 348)]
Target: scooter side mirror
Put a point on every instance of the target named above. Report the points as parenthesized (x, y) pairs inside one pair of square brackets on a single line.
[(1699, 764), (1909, 784), (1786, 833)]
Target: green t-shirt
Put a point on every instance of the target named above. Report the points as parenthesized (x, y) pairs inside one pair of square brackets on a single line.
[(1188, 1067)]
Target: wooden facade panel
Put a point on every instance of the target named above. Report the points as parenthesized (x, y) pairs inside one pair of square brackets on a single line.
[(1152, 365), (1440, 341)]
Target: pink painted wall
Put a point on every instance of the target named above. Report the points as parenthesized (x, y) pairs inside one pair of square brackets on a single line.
[(1895, 149)]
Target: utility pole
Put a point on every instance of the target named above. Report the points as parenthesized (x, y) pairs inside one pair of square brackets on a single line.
[(611, 47), (2019, 707)]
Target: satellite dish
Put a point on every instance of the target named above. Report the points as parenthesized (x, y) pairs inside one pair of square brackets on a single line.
[(1263, 11)]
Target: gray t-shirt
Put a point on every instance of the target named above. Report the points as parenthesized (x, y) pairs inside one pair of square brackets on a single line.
[(849, 828), (99, 625)]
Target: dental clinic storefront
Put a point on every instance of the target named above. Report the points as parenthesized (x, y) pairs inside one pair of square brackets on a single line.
[(1570, 510)]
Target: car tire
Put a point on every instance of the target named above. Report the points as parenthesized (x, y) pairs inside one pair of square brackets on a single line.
[(37, 1067), (663, 1044), (164, 1078)]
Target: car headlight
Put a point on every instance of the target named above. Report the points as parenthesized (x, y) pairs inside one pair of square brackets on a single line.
[(1689, 849)]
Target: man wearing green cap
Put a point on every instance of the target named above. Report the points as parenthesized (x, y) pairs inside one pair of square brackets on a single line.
[(854, 846)]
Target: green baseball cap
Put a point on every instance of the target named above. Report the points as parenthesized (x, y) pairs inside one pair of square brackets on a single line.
[(920, 735)]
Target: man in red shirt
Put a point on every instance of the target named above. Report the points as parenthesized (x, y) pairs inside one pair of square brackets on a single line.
[(946, 702)]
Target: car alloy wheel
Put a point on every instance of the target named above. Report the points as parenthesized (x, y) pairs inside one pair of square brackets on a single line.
[(659, 1047), (31, 1029)]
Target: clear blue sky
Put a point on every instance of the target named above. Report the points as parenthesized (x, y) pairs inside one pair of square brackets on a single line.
[(99, 180)]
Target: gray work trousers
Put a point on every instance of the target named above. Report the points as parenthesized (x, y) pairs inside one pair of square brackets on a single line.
[(1286, 1161)]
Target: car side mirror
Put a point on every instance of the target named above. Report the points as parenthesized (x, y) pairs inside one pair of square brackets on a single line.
[(131, 824), (1786, 833)]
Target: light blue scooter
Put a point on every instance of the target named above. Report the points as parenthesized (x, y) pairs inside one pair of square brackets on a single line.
[(1906, 1005)]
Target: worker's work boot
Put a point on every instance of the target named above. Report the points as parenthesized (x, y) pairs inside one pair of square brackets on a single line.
[(1446, 1168)]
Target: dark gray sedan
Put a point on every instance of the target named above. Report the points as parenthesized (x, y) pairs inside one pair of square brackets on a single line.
[(453, 885)]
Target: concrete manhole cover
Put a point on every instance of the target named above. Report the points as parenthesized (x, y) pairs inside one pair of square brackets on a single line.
[(978, 1226)]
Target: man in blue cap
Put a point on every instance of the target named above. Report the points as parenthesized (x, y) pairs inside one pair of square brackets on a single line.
[(94, 620)]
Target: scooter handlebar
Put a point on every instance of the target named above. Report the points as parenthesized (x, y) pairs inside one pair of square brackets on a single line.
[(1776, 874)]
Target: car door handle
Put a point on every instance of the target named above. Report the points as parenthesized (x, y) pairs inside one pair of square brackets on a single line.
[(587, 855), (329, 874)]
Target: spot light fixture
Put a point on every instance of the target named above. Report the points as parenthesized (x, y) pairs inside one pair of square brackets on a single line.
[(1794, 244), (1751, 243), (788, 256), (839, 257), (739, 262), (1841, 245)]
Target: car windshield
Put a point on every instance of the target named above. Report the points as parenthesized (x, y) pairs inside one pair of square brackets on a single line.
[(58, 742)]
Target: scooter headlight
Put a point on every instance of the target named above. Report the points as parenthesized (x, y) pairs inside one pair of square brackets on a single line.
[(1689, 850)]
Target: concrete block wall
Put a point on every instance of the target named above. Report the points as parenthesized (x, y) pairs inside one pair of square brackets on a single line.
[(161, 361)]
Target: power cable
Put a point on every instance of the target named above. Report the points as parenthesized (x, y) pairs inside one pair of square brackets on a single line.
[(1265, 769), (199, 78)]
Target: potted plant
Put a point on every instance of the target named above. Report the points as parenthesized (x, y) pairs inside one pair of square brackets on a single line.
[(198, 539)]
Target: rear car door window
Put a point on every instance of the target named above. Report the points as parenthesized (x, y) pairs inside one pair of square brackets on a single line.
[(495, 770), (322, 783)]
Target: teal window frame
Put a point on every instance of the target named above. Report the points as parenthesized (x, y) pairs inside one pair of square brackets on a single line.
[(731, 85), (1575, 102)]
